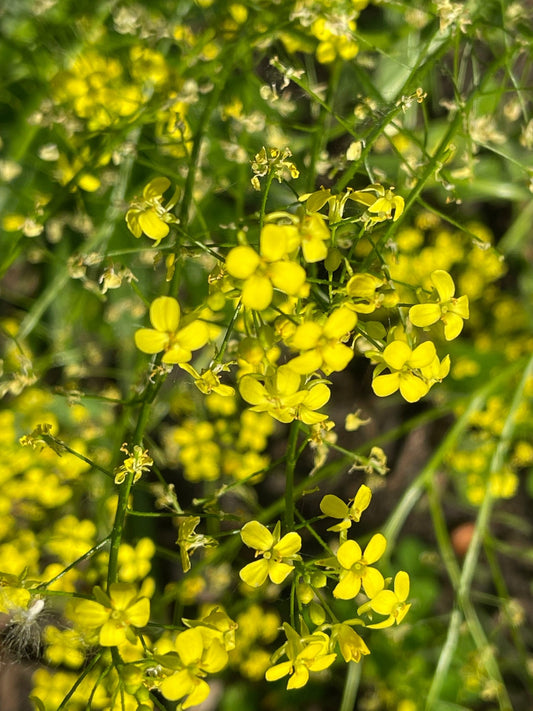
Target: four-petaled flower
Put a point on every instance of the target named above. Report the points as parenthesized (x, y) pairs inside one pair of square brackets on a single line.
[(148, 215), (356, 570), (305, 654), (391, 603), (321, 346), (278, 553), (283, 396), (191, 658), (449, 310), (352, 646), (406, 366), (178, 343), (112, 614), (269, 269), (332, 506)]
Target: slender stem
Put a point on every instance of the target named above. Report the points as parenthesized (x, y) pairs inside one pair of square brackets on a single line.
[(351, 686), (125, 488), (289, 475)]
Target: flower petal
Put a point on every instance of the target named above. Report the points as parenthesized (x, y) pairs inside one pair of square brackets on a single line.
[(443, 284), (165, 314), (257, 536), (349, 553), (255, 574)]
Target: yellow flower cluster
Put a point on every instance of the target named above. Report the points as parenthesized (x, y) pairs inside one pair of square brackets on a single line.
[(351, 569)]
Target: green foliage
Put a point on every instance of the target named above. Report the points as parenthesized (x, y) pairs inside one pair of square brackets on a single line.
[(266, 371)]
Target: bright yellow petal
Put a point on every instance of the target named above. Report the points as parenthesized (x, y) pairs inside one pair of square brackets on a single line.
[(277, 572), (165, 314), (348, 586), (255, 574), (422, 355), (337, 356), (306, 336), (257, 292), (156, 188), (257, 536), (373, 582), (384, 385), (112, 634), (278, 671), (384, 602), (332, 506), (148, 340), (138, 614), (396, 354), (252, 390), (412, 388), (190, 646), (152, 225), (193, 336), (289, 277), (288, 545), (273, 242), (401, 585), (306, 363), (242, 262), (453, 325), (444, 284), (349, 553), (423, 315), (317, 396), (375, 548), (339, 323)]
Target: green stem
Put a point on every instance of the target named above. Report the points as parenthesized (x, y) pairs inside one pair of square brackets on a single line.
[(289, 475), (126, 486), (351, 686)]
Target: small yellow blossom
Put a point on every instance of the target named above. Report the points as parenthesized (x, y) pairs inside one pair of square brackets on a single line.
[(283, 397), (321, 345), (332, 506), (356, 568), (278, 553), (190, 658), (208, 381), (148, 215), (269, 269), (165, 316), (136, 463), (352, 646), (113, 614), (305, 654), (391, 603), (405, 365), (449, 310)]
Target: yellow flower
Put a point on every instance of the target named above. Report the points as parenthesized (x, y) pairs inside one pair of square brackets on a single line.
[(356, 570), (188, 540), (332, 506), (113, 615), (352, 646), (321, 344), (277, 553), (403, 362), (390, 603), (384, 205), (191, 657), (305, 654), (148, 215), (165, 317), (449, 310), (208, 381), (269, 269), (283, 398)]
